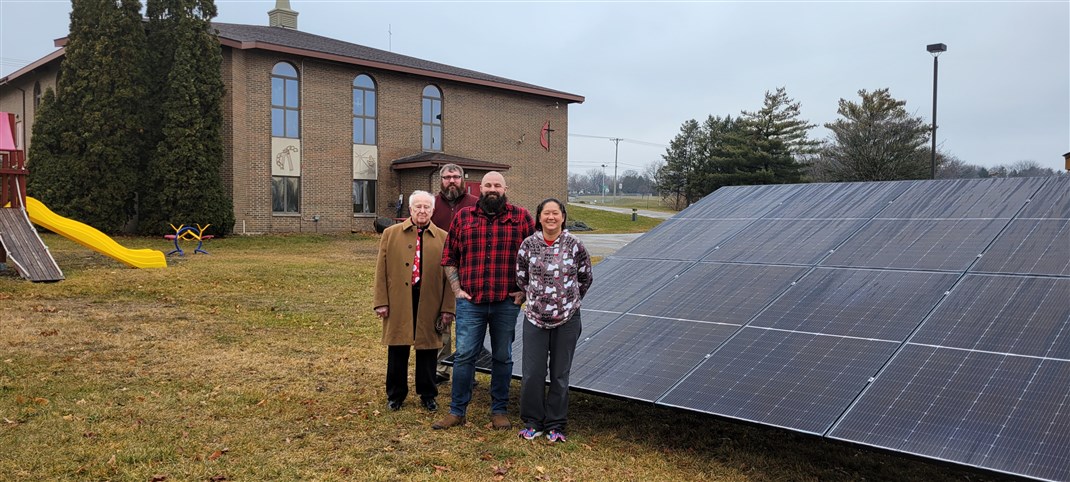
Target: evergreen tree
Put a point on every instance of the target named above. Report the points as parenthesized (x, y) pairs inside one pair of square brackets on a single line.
[(772, 141), (721, 164), (876, 140), (51, 177), (678, 178), (185, 169), (91, 173)]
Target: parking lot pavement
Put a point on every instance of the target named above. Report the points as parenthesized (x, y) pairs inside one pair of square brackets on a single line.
[(605, 244)]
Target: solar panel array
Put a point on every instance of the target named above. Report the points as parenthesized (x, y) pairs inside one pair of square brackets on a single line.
[(925, 317)]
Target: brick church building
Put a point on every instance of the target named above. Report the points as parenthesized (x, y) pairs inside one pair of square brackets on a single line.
[(324, 135)]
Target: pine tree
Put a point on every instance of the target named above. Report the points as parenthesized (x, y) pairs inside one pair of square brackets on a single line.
[(677, 179), (876, 140), (91, 173), (51, 177), (720, 165), (773, 140), (185, 169)]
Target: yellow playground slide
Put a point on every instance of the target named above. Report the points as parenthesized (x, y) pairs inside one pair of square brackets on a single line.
[(91, 238)]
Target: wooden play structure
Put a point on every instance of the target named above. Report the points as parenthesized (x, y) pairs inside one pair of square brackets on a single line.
[(21, 246)]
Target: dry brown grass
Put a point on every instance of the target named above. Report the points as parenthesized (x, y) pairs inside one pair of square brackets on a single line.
[(262, 361)]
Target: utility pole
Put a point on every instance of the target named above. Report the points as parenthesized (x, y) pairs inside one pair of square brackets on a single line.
[(616, 147)]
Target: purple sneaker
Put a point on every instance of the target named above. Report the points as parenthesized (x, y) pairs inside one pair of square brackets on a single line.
[(529, 434)]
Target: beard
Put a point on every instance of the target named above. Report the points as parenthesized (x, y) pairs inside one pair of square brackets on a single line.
[(452, 193), (491, 203)]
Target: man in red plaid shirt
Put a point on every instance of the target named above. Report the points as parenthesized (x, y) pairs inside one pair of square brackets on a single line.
[(480, 261)]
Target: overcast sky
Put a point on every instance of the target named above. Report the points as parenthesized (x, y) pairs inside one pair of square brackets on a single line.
[(645, 67)]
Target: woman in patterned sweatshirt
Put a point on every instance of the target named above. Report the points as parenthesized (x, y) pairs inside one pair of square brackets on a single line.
[(554, 271)]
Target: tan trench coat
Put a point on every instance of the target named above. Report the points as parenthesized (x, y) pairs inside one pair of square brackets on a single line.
[(393, 278)]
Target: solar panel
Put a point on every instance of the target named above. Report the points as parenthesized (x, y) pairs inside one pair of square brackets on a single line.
[(795, 380), (996, 411), (1038, 240), (917, 244), (925, 317), (785, 241), (740, 202), (838, 201), (641, 357), (1051, 201), (964, 198), (982, 383), (883, 305), (800, 362), (1004, 314), (723, 293), (683, 239), (620, 284), (1030, 246)]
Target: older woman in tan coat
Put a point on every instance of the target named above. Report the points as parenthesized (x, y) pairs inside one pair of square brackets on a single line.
[(410, 289)]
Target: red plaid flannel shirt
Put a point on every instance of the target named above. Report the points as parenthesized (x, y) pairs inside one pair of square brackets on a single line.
[(483, 249)]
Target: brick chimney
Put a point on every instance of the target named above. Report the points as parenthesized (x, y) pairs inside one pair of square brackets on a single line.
[(282, 15)]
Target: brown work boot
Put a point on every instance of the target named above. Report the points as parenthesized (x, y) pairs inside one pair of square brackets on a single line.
[(450, 420), (500, 422)]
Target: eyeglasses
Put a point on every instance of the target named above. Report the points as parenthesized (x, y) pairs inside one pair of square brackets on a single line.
[(450, 178)]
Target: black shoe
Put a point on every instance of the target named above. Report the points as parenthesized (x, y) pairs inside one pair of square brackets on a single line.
[(430, 404), (393, 405), (439, 379)]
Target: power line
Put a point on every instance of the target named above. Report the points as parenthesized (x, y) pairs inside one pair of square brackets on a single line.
[(643, 142)]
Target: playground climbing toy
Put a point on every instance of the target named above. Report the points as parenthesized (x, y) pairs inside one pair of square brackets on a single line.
[(188, 233)]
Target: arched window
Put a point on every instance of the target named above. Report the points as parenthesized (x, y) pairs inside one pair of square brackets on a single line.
[(363, 110), (365, 155), (286, 143), (285, 101), (36, 95), (432, 118)]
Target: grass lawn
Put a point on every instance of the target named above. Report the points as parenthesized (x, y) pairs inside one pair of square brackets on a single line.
[(262, 361), (652, 203), (606, 222)]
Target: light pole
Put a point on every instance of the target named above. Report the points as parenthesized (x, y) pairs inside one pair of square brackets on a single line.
[(616, 147), (603, 183), (936, 50)]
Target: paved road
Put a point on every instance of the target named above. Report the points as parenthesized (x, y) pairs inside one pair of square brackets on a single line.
[(642, 212), (605, 244)]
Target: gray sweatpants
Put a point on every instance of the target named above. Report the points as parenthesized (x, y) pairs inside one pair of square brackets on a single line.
[(540, 408)]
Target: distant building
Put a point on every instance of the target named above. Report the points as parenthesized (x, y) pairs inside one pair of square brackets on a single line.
[(324, 135)]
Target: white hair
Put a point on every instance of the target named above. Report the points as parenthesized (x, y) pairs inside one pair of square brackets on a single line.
[(419, 193)]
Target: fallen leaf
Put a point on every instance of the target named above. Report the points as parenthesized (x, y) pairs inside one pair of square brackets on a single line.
[(40, 401), (111, 461), (486, 456), (68, 417), (218, 478), (540, 469), (440, 468), (501, 470), (215, 455), (158, 478)]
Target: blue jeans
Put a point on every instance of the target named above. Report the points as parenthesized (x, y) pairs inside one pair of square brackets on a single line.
[(472, 323)]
